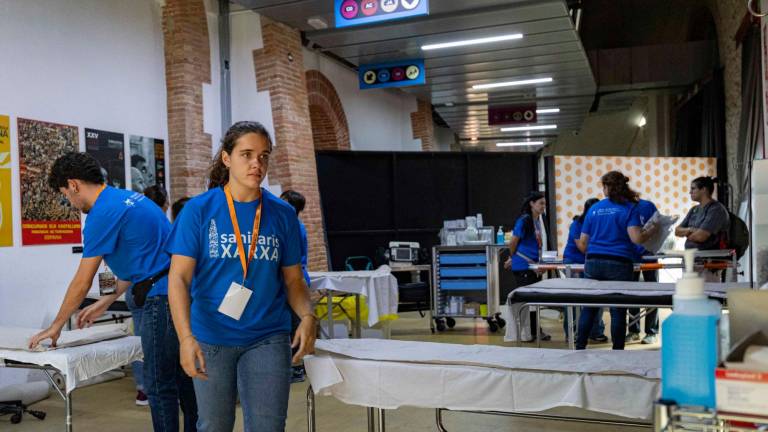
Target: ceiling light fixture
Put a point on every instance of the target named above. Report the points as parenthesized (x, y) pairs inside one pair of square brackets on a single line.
[(528, 128), (548, 111), (472, 41), (519, 144), (511, 83)]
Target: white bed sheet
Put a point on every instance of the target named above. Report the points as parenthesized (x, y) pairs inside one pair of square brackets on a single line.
[(17, 338), (378, 287), (80, 363), (391, 374)]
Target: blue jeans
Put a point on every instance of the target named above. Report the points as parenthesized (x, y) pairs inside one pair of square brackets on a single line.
[(136, 313), (651, 314), (598, 327), (258, 373), (605, 270), (167, 386)]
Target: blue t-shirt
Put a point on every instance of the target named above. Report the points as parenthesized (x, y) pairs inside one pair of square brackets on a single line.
[(128, 230), (304, 249), (204, 231), (528, 244), (645, 210), (606, 225), (571, 253)]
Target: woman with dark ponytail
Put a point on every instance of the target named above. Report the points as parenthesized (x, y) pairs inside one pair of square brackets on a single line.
[(525, 248), (235, 270), (609, 234)]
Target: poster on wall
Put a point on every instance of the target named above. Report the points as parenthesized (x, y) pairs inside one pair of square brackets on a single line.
[(6, 217), (46, 215), (147, 162), (108, 149), (663, 180)]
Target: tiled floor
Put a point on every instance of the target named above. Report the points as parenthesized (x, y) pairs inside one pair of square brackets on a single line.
[(110, 407)]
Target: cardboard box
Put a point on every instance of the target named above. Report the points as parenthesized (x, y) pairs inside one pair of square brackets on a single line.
[(740, 390)]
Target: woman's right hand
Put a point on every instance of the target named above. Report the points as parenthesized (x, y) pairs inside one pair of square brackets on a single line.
[(508, 264), (191, 356)]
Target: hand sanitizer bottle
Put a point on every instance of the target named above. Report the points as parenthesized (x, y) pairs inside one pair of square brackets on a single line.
[(500, 236), (689, 343)]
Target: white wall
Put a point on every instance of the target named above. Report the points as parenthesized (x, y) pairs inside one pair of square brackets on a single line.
[(378, 119), (93, 63), (444, 138)]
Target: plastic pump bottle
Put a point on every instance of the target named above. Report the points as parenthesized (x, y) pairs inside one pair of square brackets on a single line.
[(689, 343)]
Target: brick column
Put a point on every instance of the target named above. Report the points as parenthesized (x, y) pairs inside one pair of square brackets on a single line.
[(187, 67), (423, 125), (280, 70)]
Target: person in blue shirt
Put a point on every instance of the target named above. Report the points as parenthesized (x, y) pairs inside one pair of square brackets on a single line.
[(573, 255), (297, 201), (235, 269), (645, 210), (610, 232), (525, 247), (127, 231)]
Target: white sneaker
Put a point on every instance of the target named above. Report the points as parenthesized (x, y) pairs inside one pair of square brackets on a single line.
[(648, 340)]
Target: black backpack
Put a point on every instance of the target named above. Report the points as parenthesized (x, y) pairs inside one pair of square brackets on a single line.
[(737, 236)]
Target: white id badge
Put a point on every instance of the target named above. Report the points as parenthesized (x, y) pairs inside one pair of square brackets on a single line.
[(235, 301)]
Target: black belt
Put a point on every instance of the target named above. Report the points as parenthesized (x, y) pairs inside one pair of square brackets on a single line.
[(141, 289)]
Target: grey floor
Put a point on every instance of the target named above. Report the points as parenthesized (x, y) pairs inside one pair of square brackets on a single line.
[(110, 406)]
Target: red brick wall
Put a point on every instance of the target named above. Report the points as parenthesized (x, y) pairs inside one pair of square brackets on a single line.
[(187, 67), (329, 123), (423, 125), (280, 70)]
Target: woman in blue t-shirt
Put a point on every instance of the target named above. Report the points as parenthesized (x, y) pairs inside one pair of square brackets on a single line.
[(572, 254), (610, 232), (236, 257), (525, 247)]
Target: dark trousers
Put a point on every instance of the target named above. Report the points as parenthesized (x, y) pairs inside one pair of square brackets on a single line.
[(651, 314), (523, 278), (606, 270)]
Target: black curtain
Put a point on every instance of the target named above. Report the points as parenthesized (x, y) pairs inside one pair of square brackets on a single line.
[(751, 125), (700, 128)]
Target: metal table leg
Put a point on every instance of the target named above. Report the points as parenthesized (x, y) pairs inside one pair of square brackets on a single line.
[(570, 316), (439, 420), (538, 326), (330, 314), (371, 419), (310, 410), (358, 324), (382, 425)]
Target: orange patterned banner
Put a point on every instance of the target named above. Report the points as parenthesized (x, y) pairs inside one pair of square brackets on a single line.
[(663, 180)]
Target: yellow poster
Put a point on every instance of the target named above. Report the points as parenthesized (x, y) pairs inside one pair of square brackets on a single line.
[(6, 217)]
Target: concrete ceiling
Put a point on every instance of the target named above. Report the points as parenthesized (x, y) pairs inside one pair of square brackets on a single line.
[(550, 47)]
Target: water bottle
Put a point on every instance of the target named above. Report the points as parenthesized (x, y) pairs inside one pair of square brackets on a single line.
[(500, 236)]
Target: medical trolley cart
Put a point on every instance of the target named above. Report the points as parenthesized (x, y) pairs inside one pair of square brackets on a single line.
[(463, 279)]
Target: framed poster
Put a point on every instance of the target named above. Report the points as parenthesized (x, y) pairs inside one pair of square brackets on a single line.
[(147, 162), (6, 215), (46, 215), (109, 149)]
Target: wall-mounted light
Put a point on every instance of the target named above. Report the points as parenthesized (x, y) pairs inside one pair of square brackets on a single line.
[(548, 111), (641, 121)]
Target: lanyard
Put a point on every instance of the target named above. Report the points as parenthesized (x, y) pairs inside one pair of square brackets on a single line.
[(236, 226)]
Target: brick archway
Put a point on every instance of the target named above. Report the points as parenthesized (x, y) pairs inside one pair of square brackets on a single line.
[(329, 123)]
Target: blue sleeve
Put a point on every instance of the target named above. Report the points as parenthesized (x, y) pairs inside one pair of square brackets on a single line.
[(304, 244), (586, 227), (292, 251), (100, 235), (574, 231), (519, 231), (634, 217), (184, 238)]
